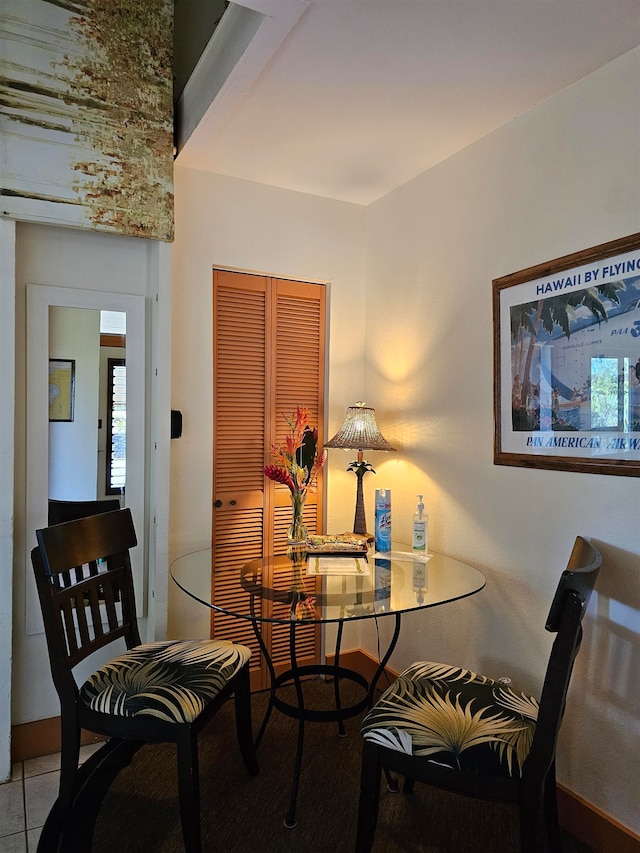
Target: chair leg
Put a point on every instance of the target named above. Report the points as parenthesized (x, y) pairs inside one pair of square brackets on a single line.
[(242, 700), (532, 829), (189, 788), (393, 786), (408, 784), (370, 777), (93, 780), (69, 757), (551, 811)]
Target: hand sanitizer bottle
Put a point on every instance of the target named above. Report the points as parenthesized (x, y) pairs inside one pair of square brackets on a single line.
[(420, 528)]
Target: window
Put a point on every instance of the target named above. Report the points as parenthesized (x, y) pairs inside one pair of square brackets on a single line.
[(610, 393), (116, 427)]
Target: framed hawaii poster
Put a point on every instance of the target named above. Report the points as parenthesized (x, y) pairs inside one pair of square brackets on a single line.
[(567, 362)]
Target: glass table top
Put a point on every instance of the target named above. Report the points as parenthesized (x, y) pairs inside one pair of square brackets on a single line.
[(377, 584)]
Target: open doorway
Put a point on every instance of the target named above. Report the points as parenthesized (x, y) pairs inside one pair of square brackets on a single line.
[(66, 466)]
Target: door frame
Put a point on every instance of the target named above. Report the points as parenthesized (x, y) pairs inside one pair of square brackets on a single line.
[(7, 452)]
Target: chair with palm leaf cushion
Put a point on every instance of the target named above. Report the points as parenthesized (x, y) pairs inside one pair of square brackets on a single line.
[(164, 691), (474, 735)]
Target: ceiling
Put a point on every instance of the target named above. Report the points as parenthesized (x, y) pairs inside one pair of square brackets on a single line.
[(349, 99)]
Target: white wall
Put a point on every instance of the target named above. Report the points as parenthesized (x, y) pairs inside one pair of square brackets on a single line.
[(240, 225), (563, 177)]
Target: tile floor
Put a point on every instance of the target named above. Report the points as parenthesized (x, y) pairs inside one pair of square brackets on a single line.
[(25, 801)]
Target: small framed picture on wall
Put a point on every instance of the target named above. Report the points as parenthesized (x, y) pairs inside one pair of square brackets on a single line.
[(62, 374)]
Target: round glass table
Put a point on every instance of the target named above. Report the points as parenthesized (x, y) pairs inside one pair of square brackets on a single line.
[(353, 587)]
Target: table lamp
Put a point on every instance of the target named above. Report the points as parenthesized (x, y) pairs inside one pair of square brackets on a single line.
[(360, 432)]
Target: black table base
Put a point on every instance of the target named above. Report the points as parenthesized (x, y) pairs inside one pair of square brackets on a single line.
[(296, 676)]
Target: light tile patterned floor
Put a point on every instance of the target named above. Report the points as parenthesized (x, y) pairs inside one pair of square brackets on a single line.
[(25, 801)]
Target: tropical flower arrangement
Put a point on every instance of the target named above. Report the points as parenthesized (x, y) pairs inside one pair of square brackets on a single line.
[(296, 464)]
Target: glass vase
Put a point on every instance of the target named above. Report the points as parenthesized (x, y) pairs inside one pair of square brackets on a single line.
[(297, 532), (303, 600)]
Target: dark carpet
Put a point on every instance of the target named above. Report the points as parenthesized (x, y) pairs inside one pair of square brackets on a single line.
[(243, 813)]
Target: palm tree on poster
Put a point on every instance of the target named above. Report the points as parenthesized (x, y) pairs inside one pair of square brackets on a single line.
[(551, 312)]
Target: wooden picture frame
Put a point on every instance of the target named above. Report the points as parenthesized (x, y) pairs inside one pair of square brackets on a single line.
[(566, 339), (62, 378)]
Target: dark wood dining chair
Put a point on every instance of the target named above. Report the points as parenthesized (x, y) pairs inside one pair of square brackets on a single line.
[(478, 736), (164, 691)]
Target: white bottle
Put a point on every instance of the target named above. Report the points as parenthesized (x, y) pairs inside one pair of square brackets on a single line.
[(420, 578), (420, 528)]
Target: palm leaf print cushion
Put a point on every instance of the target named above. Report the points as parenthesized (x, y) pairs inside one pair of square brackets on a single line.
[(169, 680), (455, 718)]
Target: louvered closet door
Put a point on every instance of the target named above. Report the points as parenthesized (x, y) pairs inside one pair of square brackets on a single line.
[(269, 356), (298, 380), (239, 400)]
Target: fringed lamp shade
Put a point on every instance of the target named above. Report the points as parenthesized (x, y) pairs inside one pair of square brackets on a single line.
[(360, 432)]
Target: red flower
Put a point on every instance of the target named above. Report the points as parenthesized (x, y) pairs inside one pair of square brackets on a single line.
[(279, 475)]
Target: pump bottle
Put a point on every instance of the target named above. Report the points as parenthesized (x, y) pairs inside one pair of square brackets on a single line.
[(420, 528)]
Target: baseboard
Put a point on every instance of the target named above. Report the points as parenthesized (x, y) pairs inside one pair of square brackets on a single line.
[(42, 737), (593, 827), (365, 664), (600, 832)]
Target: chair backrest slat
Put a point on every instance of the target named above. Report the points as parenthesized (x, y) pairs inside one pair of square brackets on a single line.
[(110, 595), (565, 618), (80, 612), (78, 543), (62, 511), (67, 609), (95, 645), (94, 595), (96, 603)]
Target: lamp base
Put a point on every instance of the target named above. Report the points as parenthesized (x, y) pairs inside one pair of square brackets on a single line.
[(360, 519)]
